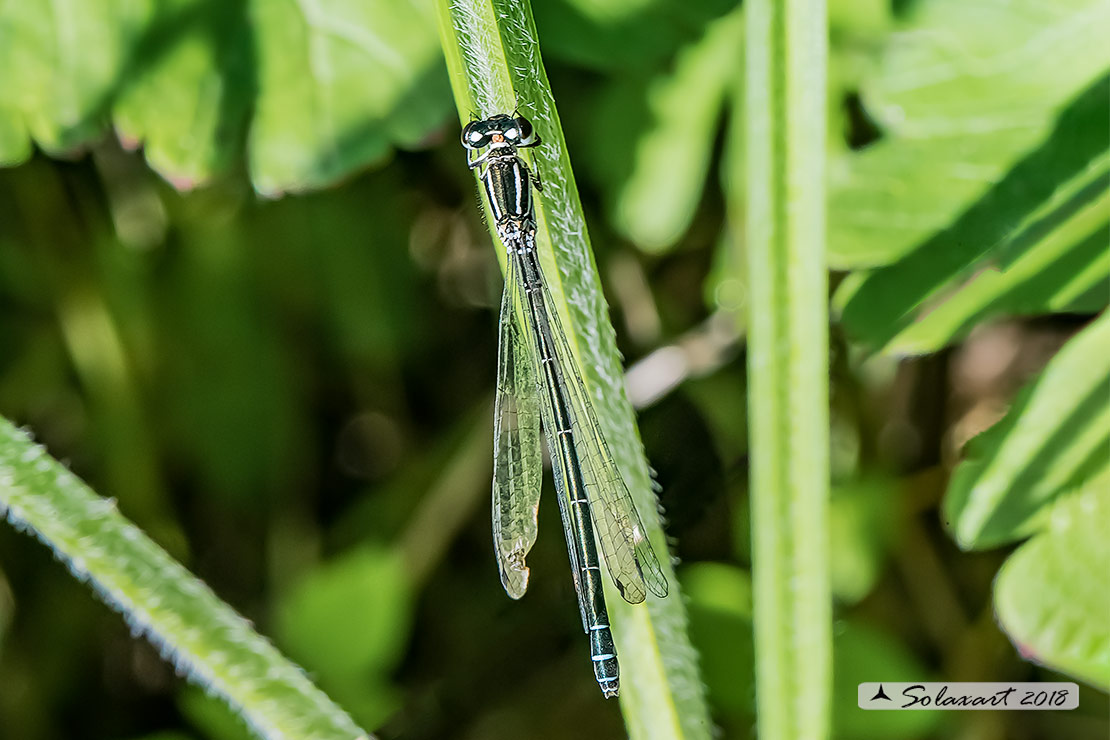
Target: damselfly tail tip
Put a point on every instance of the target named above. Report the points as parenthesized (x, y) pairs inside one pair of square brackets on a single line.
[(611, 689)]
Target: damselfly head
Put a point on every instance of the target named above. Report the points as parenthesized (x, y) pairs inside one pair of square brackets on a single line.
[(500, 130)]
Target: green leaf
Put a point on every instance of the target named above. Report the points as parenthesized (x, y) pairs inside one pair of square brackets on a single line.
[(494, 62), (349, 616), (1036, 242), (656, 201), (1055, 436), (962, 93), (187, 88), (337, 82), (1051, 595), (860, 520), (347, 622), (60, 62), (864, 653), (203, 637), (315, 90), (15, 142)]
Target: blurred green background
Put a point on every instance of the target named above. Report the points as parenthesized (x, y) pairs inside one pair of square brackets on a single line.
[(293, 394)]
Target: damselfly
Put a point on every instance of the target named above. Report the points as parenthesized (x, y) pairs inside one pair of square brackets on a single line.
[(539, 382)]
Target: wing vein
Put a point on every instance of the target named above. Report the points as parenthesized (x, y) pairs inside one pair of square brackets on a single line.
[(517, 456), (628, 552)]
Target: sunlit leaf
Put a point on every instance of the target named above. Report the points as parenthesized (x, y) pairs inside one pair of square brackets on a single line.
[(337, 82), (964, 90), (187, 90), (1036, 242), (1051, 595), (312, 91), (61, 65), (15, 143), (1055, 436)]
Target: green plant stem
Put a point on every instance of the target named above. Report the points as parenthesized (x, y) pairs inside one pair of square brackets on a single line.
[(784, 156), (493, 58), (202, 636)]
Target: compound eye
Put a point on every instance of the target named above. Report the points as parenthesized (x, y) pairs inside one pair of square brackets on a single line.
[(525, 131), (474, 138)]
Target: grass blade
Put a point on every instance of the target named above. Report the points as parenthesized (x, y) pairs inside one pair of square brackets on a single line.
[(784, 110), (493, 58), (202, 636)]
